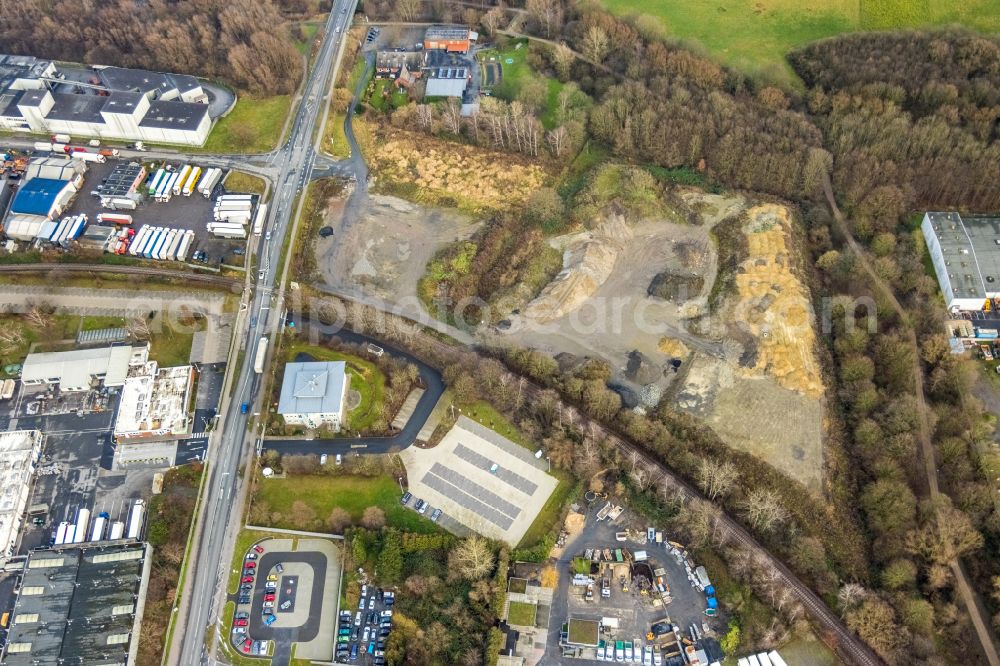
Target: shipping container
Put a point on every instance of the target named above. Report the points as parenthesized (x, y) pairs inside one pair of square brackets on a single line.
[(161, 247), (259, 218), (57, 234), (206, 177), (153, 242), (97, 533), (175, 242), (82, 519), (191, 182), (207, 187), (121, 203), (89, 157), (258, 360), (165, 185), (77, 228), (182, 251), (135, 519), (59, 148), (61, 533), (140, 240), (114, 218), (178, 185), (154, 182)]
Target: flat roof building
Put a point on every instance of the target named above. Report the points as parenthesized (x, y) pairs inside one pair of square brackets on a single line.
[(313, 394), (965, 251), (447, 82), (19, 451), (80, 605), (154, 403), (82, 369), (118, 103)]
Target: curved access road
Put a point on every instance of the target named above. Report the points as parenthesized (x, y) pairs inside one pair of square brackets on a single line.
[(433, 388)]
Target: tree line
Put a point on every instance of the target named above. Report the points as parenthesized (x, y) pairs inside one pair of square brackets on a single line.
[(244, 42)]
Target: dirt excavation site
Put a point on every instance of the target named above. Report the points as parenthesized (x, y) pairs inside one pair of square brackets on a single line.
[(637, 294), (728, 338)]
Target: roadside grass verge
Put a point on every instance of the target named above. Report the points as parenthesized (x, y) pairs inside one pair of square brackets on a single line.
[(323, 493), (308, 34), (253, 126), (335, 139), (238, 181), (544, 523)]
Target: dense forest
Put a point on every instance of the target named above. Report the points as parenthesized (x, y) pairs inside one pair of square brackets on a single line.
[(899, 123), (243, 42)]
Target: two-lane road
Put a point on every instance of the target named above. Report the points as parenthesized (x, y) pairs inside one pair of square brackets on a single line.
[(220, 509)]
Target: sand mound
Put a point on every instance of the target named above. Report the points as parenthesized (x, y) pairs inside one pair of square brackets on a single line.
[(588, 260), (774, 305), (673, 347)]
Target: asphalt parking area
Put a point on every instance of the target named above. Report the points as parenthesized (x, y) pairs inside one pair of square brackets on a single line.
[(480, 480), (286, 594), (308, 627)]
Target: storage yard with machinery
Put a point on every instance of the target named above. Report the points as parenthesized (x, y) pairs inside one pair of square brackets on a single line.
[(162, 211)]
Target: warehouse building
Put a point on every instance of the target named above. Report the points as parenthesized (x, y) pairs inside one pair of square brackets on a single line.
[(313, 394), (83, 369), (116, 103), (965, 251), (450, 38), (79, 606), (446, 82), (49, 186), (19, 452)]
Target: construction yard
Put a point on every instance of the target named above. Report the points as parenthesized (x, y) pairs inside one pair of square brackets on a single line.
[(736, 349)]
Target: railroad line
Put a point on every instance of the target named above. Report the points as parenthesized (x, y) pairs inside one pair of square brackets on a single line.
[(202, 278)]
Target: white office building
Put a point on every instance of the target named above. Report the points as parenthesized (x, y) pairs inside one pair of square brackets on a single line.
[(19, 452), (313, 394)]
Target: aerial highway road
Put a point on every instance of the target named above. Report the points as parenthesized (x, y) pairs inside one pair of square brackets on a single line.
[(203, 595)]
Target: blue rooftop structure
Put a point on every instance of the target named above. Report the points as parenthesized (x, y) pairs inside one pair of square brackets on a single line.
[(37, 196)]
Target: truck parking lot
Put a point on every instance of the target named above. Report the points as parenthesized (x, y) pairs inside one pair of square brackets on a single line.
[(186, 213)]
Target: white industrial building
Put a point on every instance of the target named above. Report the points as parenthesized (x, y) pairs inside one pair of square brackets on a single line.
[(82, 369), (110, 103), (154, 403), (966, 256), (314, 393), (19, 451), (48, 188)]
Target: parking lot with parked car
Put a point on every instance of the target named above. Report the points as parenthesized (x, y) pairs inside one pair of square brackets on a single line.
[(363, 633)]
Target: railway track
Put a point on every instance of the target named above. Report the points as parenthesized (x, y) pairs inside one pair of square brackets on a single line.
[(844, 642), (201, 278)]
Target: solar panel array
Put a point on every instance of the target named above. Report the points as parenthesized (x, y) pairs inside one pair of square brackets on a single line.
[(471, 495), (509, 477)]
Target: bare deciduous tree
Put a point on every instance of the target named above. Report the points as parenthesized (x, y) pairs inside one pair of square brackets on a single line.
[(596, 43), (472, 559), (716, 478), (491, 20), (763, 510)]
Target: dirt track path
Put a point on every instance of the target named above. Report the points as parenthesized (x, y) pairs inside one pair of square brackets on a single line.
[(970, 599)]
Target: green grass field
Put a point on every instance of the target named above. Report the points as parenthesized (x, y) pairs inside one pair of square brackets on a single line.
[(517, 73), (366, 378), (755, 35), (335, 139), (253, 126), (354, 494)]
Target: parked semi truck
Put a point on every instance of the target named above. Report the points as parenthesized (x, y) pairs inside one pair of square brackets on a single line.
[(258, 220), (207, 185), (258, 361), (191, 182)]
